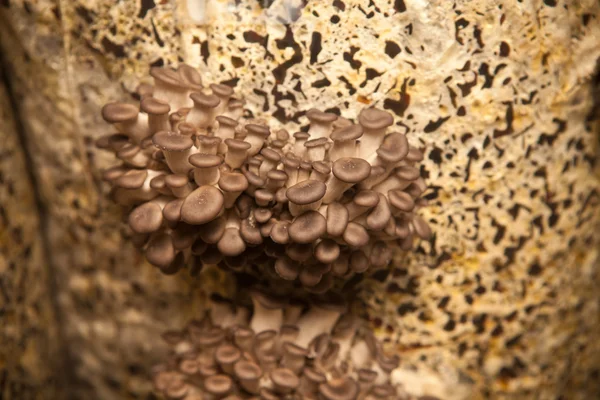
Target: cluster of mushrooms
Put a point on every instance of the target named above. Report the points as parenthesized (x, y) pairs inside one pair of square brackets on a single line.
[(277, 350), (205, 184)]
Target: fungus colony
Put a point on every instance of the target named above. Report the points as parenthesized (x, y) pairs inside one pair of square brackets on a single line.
[(307, 207), (280, 351)]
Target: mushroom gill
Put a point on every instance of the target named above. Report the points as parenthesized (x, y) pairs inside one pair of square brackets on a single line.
[(276, 350), (205, 185)]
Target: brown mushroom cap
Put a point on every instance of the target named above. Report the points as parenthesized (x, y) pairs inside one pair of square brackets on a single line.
[(373, 118), (119, 112), (306, 192), (176, 181), (205, 100), (401, 200), (171, 141), (308, 227), (172, 210), (339, 389), (270, 154), (337, 219), (231, 243), (393, 148), (233, 182), (227, 354), (160, 250), (351, 170), (319, 116), (344, 134), (407, 173), (226, 121), (146, 218), (316, 142), (356, 235), (287, 269), (259, 130), (218, 385), (284, 378), (190, 76), (153, 106), (201, 160), (235, 144), (267, 301), (366, 198), (327, 251), (247, 370), (202, 205), (301, 136), (132, 179), (322, 167), (167, 76)]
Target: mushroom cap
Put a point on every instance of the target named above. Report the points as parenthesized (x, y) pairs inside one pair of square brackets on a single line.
[(176, 181), (259, 130), (227, 354), (327, 251), (218, 385), (166, 76), (119, 112), (316, 143), (356, 235), (319, 116), (407, 173), (366, 375), (393, 148), (339, 389), (146, 218), (153, 106), (285, 378), (373, 118), (306, 192), (314, 375), (221, 90), (171, 141), (322, 167), (128, 150), (347, 133), (401, 200), (287, 269), (231, 243), (132, 179), (187, 129), (308, 227), (160, 250), (202, 205), (205, 100), (190, 76), (202, 160), (172, 210), (301, 136), (351, 170), (277, 175), (366, 198), (247, 370), (270, 154), (226, 121), (337, 219), (235, 144), (233, 182), (290, 162)]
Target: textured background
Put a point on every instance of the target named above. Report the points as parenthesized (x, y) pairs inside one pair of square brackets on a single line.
[(498, 93)]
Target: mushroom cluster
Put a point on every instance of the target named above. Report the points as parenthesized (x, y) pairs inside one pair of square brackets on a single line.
[(279, 350), (311, 207)]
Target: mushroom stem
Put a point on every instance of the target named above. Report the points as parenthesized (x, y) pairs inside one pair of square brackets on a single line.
[(315, 322), (263, 318)]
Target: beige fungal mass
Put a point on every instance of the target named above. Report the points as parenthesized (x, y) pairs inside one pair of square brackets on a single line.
[(276, 350), (312, 207)]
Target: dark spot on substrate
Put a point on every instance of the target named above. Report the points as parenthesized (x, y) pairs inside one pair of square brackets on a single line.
[(392, 49), (315, 47), (550, 3), (399, 6), (145, 6)]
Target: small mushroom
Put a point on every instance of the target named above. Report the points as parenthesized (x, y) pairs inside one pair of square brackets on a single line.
[(179, 185), (308, 227), (374, 123), (170, 88), (320, 123), (158, 114), (305, 196), (316, 149), (339, 389), (237, 151), (344, 142), (248, 374), (232, 184), (176, 149), (346, 173), (284, 380), (224, 93), (206, 168), (256, 136), (127, 119), (203, 113), (226, 129)]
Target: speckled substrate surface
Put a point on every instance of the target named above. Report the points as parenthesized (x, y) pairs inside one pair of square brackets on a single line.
[(28, 335), (503, 300)]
